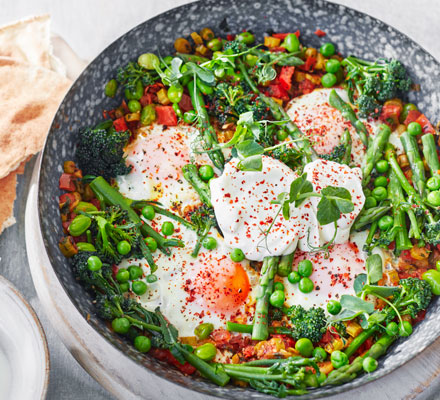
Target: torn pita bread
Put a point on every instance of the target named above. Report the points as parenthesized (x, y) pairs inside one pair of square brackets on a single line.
[(7, 187), (29, 98)]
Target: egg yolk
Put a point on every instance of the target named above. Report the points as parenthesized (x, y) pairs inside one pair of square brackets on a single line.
[(220, 284)]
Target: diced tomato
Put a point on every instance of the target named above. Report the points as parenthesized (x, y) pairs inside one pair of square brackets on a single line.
[(221, 336), (165, 355), (309, 64), (306, 86), (230, 37), (66, 225), (185, 103), (320, 33), (115, 270), (390, 114), (277, 91), (67, 182), (392, 246), (147, 99), (248, 351), (166, 116), (412, 116), (420, 316), (120, 124), (286, 77), (154, 88), (426, 125), (326, 338), (278, 49), (282, 36), (288, 341), (405, 255), (67, 198), (96, 203)]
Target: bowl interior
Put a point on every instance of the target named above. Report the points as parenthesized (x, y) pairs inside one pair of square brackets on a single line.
[(351, 31)]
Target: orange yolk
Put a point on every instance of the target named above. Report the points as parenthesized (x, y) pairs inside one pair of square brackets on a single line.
[(220, 284)]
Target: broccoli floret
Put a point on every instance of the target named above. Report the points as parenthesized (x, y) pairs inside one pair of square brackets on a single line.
[(309, 323), (204, 219), (234, 47), (375, 83), (230, 93), (82, 272), (100, 152), (336, 155), (131, 74), (288, 155), (414, 296), (110, 306)]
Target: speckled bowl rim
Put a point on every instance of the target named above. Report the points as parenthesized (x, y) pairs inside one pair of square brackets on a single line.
[(38, 330), (200, 386)]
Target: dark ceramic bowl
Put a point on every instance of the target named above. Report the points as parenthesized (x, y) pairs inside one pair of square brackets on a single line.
[(351, 31)]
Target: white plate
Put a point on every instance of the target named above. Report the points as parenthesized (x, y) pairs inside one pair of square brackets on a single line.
[(24, 355)]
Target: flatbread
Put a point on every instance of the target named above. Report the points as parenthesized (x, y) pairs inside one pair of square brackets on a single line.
[(29, 98), (28, 41), (7, 187)]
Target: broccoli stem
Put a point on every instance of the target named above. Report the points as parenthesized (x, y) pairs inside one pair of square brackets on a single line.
[(192, 58), (191, 174), (371, 233), (137, 321), (349, 372), (375, 151), (409, 143), (280, 114), (359, 340), (207, 131), (244, 328), (260, 327), (395, 193), (414, 231), (369, 216), (348, 113), (347, 143), (430, 154)]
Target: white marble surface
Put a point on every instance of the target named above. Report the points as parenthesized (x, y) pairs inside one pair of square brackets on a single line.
[(89, 26)]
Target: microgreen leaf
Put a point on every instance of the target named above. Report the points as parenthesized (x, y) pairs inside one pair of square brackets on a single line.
[(169, 331), (203, 74), (359, 283), (356, 304), (249, 148), (374, 268), (252, 163), (328, 212), (376, 318), (383, 291)]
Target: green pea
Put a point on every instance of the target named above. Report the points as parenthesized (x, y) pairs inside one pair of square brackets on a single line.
[(327, 49), (334, 307), (215, 44), (94, 263), (139, 287), (134, 106), (203, 330), (135, 94), (319, 354), (278, 286), (338, 359), (121, 325), (321, 378), (328, 80), (124, 286), (204, 88), (434, 198), (432, 276), (282, 135), (167, 228), (370, 202), (306, 285), (175, 93), (148, 115), (305, 268), (84, 246), (149, 61), (123, 247), (332, 66), (148, 212), (237, 255), (151, 244), (405, 328), (392, 329), (135, 272), (251, 60), (277, 298), (369, 364), (291, 43), (382, 166), (219, 72), (142, 344), (110, 88), (294, 277), (437, 265), (122, 275), (304, 346), (433, 183), (79, 225), (245, 37), (209, 243), (381, 181), (406, 109), (190, 117), (379, 193), (310, 379), (206, 172), (385, 222), (151, 278), (414, 128), (206, 351)]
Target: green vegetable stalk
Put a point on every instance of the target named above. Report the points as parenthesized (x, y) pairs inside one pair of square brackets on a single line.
[(368, 216), (430, 154), (359, 340), (191, 174), (409, 143), (260, 330), (347, 143)]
